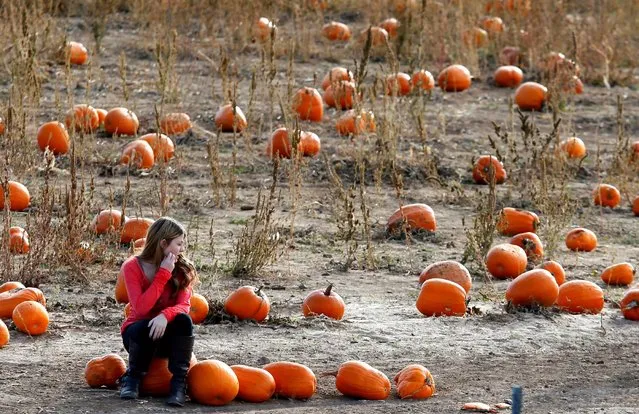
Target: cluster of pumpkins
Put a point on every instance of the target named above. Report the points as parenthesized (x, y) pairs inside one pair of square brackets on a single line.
[(25, 307)]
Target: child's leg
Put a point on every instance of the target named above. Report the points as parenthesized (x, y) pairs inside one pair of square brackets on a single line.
[(141, 349)]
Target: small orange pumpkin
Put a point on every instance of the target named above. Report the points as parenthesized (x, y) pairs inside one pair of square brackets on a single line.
[(175, 123), (324, 302), (7, 286), (379, 36), (492, 24), (513, 221), (102, 113), (620, 274), (510, 55), (2, 126), (440, 297), (573, 147), (423, 79), (263, 28), (31, 317), (340, 95), (352, 124), (629, 305), (199, 308), (104, 371), (308, 104), (555, 269), (506, 261), (485, 167), (581, 240), (279, 144), (635, 206), (157, 381), (138, 153), (335, 75), (475, 38), (336, 31), (357, 379), (580, 296), (414, 382), (606, 195), (18, 241), (309, 144), (292, 380), (248, 302), (398, 84), (212, 382), (530, 96), (12, 298), (449, 270), (227, 121), (83, 118), (256, 385), (162, 146), (454, 78), (77, 53), (121, 121), (531, 244), (391, 25), (535, 287), (106, 221), (135, 228), (4, 334), (412, 217), (54, 136), (19, 197), (508, 76)]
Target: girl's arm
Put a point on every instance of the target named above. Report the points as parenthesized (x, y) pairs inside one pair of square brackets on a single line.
[(182, 305), (143, 302)]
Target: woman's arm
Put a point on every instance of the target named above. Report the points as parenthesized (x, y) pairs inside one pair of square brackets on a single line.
[(143, 302), (182, 305)]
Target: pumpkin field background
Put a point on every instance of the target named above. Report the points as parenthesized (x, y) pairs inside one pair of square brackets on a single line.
[(296, 225)]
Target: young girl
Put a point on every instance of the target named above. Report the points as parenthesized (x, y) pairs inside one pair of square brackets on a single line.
[(159, 282)]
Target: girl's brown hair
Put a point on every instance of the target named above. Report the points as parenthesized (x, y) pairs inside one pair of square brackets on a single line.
[(167, 229)]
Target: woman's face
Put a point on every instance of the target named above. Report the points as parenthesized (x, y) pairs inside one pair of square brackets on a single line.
[(176, 246)]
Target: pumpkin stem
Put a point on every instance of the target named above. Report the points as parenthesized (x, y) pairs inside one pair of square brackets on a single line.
[(258, 291), (327, 292)]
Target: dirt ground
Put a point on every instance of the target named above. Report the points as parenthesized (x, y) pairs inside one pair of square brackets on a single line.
[(565, 363)]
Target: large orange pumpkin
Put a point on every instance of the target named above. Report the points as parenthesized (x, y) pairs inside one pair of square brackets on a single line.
[(106, 221), (248, 302), (414, 381), (513, 221), (135, 228), (357, 379), (449, 270), (308, 104), (54, 136), (535, 287), (157, 381), (199, 308), (629, 305), (19, 197), (486, 167), (7, 286), (454, 78), (292, 380), (228, 121), (581, 240), (256, 385), (336, 31), (324, 302), (531, 244), (335, 75), (163, 147), (138, 153), (530, 96), (506, 261), (555, 269), (4, 334), (620, 274), (30, 317), (12, 298), (508, 76), (121, 121), (18, 241), (104, 371), (412, 217), (175, 123), (606, 195), (580, 296), (83, 118), (440, 297)]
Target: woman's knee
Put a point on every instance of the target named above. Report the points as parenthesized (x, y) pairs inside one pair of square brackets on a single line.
[(183, 324)]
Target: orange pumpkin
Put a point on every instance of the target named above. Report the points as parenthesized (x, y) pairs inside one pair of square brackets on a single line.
[(335, 75), (531, 244), (263, 28), (506, 261), (573, 147), (449, 270), (104, 371), (309, 144), (175, 123), (139, 243), (581, 240), (574, 85), (635, 206), (138, 153), (157, 381), (350, 123), (292, 380), (513, 221), (580, 296), (510, 55), (412, 217), (414, 381), (4, 334), (2, 126), (256, 385), (357, 379), (485, 167), (555, 269), (336, 31), (629, 305), (475, 38), (440, 297), (19, 197), (30, 317), (121, 121), (77, 53), (127, 310), (530, 96), (199, 308), (620, 274), (83, 118), (12, 298), (54, 136), (102, 113), (508, 76), (492, 24), (248, 302), (535, 287), (454, 78), (7, 286), (308, 104), (162, 146), (340, 95), (606, 195), (391, 25), (212, 382), (106, 221), (135, 228), (402, 6), (227, 121), (398, 84), (379, 36), (423, 79), (324, 302), (18, 241), (279, 144)]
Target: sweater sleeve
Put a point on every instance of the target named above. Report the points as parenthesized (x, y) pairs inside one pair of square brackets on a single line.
[(182, 305), (143, 302)]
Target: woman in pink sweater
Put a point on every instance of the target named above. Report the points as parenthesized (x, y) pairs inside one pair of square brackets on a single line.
[(159, 283)]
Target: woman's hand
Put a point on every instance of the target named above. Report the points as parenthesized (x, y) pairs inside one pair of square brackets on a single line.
[(158, 326), (169, 262)]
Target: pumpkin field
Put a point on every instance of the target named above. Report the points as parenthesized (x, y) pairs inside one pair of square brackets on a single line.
[(392, 205)]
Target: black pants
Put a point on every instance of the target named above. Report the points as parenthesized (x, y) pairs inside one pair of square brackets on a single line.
[(138, 332)]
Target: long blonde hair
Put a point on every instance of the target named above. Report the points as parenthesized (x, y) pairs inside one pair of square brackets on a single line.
[(167, 229)]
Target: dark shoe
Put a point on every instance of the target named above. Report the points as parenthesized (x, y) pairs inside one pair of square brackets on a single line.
[(139, 361), (130, 385), (179, 361)]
